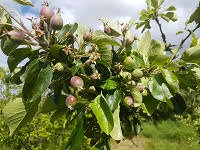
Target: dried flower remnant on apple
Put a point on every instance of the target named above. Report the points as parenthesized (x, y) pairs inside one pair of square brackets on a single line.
[(77, 82), (71, 101), (46, 12), (87, 36), (128, 101)]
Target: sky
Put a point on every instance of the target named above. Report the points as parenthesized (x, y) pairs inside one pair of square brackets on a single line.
[(89, 11)]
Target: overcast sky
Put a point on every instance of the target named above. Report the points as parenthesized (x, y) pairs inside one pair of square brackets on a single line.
[(89, 11)]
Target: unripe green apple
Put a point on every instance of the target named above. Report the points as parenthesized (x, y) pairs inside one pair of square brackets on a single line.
[(128, 101), (129, 63), (59, 66), (126, 75), (137, 73)]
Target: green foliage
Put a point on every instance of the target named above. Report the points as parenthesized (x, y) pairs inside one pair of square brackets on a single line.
[(103, 114), (14, 112), (112, 66), (35, 135), (154, 12), (174, 134), (24, 2)]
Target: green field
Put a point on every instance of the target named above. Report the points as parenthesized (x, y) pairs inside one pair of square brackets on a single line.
[(163, 135)]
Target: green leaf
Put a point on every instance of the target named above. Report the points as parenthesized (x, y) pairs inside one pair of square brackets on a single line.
[(139, 25), (148, 2), (30, 70), (2, 73), (14, 112), (156, 90), (171, 79), (156, 48), (157, 54), (144, 45), (55, 50), (171, 8), (149, 105), (116, 132), (47, 105), (114, 99), (100, 38), (170, 104), (7, 45), (1, 13), (16, 56), (166, 91), (77, 64), (24, 2), (146, 25), (106, 55), (194, 40), (196, 72), (103, 114), (3, 20), (31, 110), (172, 16), (67, 28), (77, 136), (80, 32), (159, 59), (163, 16), (130, 24), (42, 83), (187, 79), (161, 2), (194, 17), (179, 32), (30, 77), (137, 96), (109, 85), (154, 3), (52, 103), (192, 54), (144, 15)]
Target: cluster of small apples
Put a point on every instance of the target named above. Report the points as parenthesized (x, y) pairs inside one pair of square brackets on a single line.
[(132, 78), (49, 21), (77, 83)]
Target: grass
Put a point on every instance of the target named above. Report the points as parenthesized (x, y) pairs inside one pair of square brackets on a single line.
[(168, 134), (163, 135)]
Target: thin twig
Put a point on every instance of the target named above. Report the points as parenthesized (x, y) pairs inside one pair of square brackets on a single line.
[(190, 32), (161, 31), (31, 42), (183, 41), (28, 41), (19, 22), (8, 24)]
